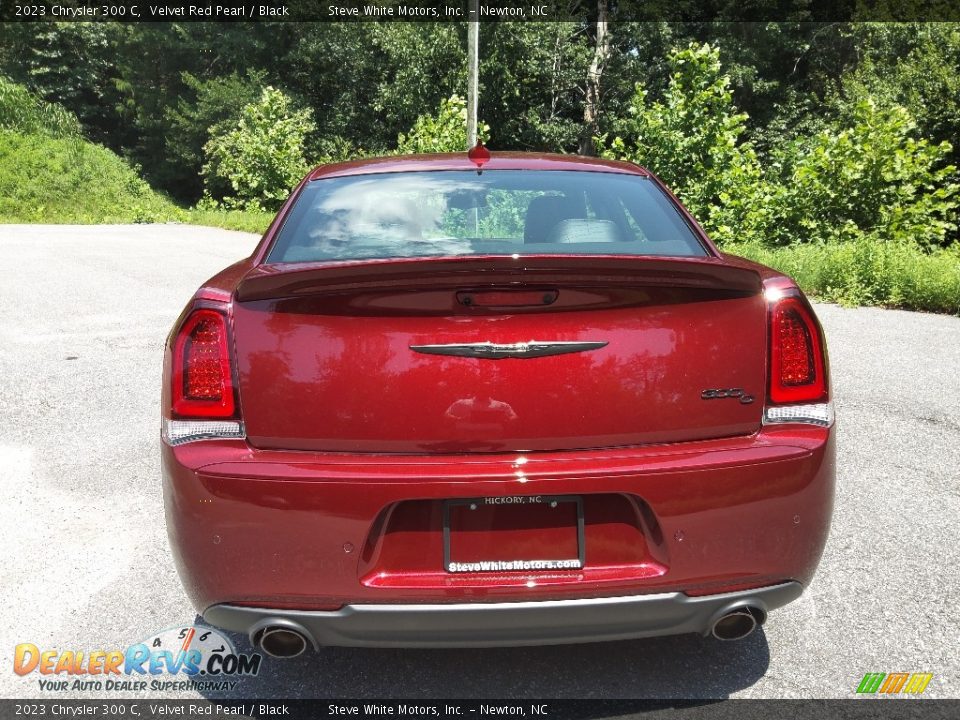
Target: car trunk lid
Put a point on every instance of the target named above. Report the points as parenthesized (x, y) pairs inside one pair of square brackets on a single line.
[(498, 354)]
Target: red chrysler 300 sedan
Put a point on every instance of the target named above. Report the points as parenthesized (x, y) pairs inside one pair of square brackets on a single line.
[(468, 401)]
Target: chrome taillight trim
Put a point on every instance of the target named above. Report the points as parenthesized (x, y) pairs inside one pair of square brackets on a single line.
[(179, 432), (811, 414)]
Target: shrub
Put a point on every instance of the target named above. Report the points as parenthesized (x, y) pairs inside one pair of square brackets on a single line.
[(254, 164), (869, 180), (24, 112), (210, 107), (444, 132), (690, 139), (864, 176), (335, 148), (252, 221), (864, 272), (69, 180)]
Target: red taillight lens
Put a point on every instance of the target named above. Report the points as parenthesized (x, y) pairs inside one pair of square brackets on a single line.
[(202, 372), (796, 349), (797, 367)]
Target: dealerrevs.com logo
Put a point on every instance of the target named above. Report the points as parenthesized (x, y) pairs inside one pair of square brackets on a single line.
[(179, 658)]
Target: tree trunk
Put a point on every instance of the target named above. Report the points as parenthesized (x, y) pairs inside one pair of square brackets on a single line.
[(591, 105)]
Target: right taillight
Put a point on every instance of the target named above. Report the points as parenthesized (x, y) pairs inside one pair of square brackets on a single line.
[(798, 390)]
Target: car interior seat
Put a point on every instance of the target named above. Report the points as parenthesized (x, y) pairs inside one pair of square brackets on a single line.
[(543, 213)]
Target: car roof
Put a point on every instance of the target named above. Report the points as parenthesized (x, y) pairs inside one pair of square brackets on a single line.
[(459, 161)]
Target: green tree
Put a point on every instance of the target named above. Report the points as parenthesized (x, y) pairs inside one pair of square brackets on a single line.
[(72, 64), (691, 138), (532, 78), (780, 72), (913, 65), (254, 164), (204, 111), (336, 69), (420, 65), (865, 176), (444, 132), (153, 62)]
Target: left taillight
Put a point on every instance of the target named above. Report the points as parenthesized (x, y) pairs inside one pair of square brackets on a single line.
[(202, 371), (203, 397)]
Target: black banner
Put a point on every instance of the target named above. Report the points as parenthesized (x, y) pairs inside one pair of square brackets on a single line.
[(487, 10), (853, 709)]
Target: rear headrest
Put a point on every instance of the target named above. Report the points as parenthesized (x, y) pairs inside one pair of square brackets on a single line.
[(543, 213), (584, 231)]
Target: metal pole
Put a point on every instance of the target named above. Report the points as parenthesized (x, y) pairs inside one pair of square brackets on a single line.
[(473, 58)]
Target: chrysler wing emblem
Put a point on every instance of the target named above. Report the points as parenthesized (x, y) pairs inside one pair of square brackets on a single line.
[(499, 351)]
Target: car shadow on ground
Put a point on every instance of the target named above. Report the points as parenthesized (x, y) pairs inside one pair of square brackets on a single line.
[(680, 667)]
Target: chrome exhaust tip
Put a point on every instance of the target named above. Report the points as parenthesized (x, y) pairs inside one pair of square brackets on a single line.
[(281, 642), (737, 624)]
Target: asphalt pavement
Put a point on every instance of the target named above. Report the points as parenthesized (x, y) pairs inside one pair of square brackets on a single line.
[(84, 561)]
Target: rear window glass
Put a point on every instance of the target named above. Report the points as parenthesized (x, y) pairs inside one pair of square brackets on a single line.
[(444, 213)]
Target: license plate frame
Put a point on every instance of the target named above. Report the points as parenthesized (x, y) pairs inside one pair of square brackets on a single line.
[(515, 500)]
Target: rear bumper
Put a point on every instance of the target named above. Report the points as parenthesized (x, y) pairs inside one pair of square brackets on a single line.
[(342, 533), (506, 624)]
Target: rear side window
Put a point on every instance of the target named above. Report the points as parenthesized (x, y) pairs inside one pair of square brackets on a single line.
[(450, 213)]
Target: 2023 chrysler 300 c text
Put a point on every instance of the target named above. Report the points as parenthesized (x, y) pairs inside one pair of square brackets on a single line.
[(467, 401)]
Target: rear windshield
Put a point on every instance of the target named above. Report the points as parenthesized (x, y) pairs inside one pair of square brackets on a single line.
[(418, 214)]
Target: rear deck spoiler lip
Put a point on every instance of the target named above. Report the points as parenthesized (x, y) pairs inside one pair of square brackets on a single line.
[(290, 280)]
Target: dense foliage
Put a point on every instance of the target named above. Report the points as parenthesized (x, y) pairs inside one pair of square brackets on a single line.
[(254, 163), (865, 175), (73, 181), (444, 132), (690, 139), (208, 108), (801, 143), (867, 273), (23, 111), (867, 178)]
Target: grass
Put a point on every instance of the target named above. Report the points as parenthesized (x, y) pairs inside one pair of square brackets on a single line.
[(243, 220), (50, 174), (50, 179), (70, 180), (869, 273), (24, 112)]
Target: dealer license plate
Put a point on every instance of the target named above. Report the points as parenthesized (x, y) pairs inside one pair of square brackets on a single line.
[(519, 533)]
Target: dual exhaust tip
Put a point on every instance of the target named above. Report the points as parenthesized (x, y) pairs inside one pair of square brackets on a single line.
[(290, 641), (737, 624), (281, 641)]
